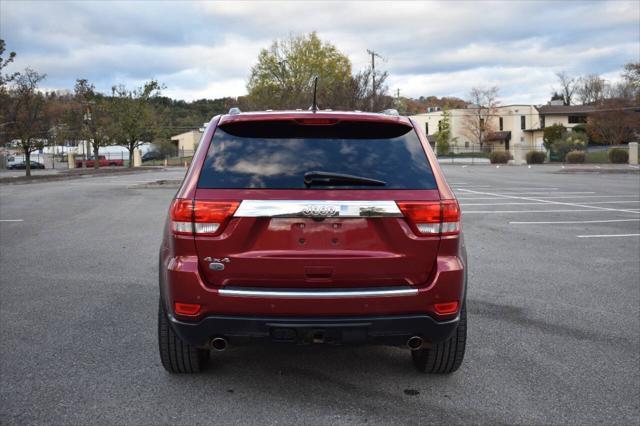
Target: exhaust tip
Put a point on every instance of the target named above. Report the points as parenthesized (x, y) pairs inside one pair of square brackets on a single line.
[(415, 343), (219, 343)]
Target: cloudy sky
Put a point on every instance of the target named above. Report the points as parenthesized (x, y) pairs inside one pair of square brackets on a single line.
[(205, 49)]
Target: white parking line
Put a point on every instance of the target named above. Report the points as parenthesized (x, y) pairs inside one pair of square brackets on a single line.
[(608, 235), (550, 202), (536, 189), (613, 202), (515, 204), (574, 221), (530, 211), (527, 193), (592, 196), (11, 220), (552, 197)]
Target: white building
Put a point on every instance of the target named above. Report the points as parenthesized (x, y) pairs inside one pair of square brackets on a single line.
[(515, 128)]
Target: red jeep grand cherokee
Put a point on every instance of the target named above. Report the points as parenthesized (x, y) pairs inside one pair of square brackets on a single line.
[(303, 227)]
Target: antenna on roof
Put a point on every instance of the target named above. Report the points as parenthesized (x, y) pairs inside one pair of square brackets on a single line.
[(314, 105)]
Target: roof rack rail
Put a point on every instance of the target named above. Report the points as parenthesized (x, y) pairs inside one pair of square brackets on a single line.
[(234, 111), (391, 111)]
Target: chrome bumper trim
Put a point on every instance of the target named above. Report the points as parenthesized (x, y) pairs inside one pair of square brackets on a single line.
[(315, 294)]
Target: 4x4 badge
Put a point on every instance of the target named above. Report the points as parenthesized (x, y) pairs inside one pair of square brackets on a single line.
[(216, 264)]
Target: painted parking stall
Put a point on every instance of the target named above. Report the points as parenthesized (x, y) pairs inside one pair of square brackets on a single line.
[(554, 206)]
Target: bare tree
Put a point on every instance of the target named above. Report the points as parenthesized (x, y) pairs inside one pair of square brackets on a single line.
[(567, 88), (365, 95), (26, 114), (477, 122), (614, 125), (591, 89), (6, 78)]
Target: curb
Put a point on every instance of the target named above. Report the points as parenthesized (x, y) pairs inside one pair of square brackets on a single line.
[(21, 180)]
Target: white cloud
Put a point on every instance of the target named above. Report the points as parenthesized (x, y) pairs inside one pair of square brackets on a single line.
[(430, 48)]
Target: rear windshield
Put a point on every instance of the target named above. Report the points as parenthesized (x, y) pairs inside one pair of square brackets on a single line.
[(277, 155)]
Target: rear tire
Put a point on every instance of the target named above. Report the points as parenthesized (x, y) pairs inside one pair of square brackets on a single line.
[(444, 357), (176, 355)]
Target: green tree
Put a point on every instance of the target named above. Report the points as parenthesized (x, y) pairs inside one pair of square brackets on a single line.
[(631, 76), (97, 123), (282, 78), (443, 135), (134, 120), (552, 134), (26, 115), (5, 100)]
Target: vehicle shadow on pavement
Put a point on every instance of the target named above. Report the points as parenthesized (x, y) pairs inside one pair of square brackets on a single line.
[(378, 382)]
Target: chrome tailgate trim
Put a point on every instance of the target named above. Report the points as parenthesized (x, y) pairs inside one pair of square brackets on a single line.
[(317, 208)]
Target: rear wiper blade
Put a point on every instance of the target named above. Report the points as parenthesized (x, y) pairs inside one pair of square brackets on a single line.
[(330, 178)]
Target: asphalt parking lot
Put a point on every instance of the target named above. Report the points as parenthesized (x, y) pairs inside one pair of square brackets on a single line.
[(554, 326)]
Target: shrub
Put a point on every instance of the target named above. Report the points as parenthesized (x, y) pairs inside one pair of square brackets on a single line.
[(571, 141), (575, 157), (618, 156), (442, 148), (499, 157), (552, 134), (536, 157)]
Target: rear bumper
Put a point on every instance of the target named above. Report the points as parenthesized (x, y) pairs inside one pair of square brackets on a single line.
[(388, 330), (180, 281)]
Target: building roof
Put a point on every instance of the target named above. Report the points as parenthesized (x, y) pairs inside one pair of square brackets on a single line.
[(565, 109), (499, 136)]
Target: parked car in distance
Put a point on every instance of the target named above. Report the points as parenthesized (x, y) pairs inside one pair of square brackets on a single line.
[(152, 155), (313, 228), (103, 161), (22, 165)]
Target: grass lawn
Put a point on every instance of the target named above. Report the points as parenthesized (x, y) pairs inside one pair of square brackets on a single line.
[(599, 157)]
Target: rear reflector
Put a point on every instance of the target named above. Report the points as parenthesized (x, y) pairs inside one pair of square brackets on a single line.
[(186, 309), (190, 217), (446, 308), (432, 217)]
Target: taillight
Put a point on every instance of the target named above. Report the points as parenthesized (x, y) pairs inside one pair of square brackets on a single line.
[(189, 217), (432, 217)]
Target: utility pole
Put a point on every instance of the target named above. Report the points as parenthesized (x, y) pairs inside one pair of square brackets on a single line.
[(373, 75), (398, 93)]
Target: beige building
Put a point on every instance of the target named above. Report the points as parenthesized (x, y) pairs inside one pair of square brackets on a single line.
[(187, 142), (515, 128)]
